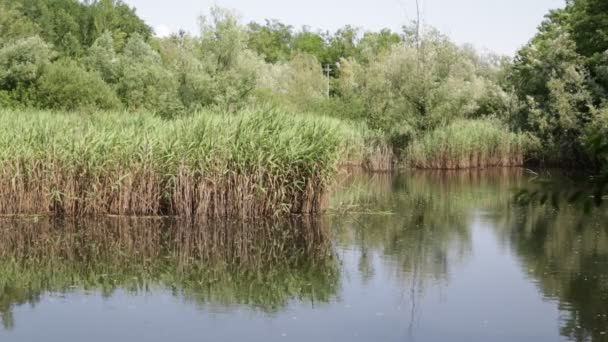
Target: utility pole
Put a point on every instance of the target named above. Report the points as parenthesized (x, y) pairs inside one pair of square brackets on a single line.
[(327, 71), (418, 23)]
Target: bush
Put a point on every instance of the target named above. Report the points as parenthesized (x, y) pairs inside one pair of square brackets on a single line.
[(22, 62), (66, 85)]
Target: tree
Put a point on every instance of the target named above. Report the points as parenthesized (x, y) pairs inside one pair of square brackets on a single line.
[(415, 88), (144, 82), (62, 23), (271, 40), (223, 39), (588, 24), (13, 24), (102, 58), (71, 26), (311, 43), (343, 44), (588, 21), (224, 55), (299, 83), (551, 78), (181, 54), (119, 19), (374, 43)]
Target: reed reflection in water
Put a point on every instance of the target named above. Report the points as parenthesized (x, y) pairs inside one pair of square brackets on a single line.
[(262, 265)]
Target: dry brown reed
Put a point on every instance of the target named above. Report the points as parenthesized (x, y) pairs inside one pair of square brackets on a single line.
[(380, 158)]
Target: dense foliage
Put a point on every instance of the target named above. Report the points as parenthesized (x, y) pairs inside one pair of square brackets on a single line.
[(98, 54), (561, 80)]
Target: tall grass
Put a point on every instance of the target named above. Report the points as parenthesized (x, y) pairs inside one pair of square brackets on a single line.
[(365, 148), (255, 163), (466, 144)]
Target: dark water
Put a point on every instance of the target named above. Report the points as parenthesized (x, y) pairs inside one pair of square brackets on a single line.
[(413, 257)]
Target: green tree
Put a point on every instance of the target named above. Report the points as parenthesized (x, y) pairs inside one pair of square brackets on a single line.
[(223, 39), (588, 21), (343, 44), (224, 55), (552, 81), (102, 58), (417, 87), (299, 83), (311, 43), (118, 18), (144, 82), (71, 26), (62, 23), (13, 24), (374, 43), (181, 54), (271, 40)]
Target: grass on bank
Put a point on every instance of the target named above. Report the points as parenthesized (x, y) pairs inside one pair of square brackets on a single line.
[(208, 165), (466, 144)]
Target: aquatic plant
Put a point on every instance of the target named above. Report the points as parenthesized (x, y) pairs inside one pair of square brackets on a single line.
[(467, 144), (209, 165)]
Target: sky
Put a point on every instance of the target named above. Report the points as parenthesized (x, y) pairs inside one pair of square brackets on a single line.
[(500, 26)]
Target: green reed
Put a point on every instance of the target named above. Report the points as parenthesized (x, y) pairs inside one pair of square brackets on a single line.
[(467, 144), (250, 164)]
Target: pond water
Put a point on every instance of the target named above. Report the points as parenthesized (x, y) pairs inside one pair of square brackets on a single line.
[(418, 256)]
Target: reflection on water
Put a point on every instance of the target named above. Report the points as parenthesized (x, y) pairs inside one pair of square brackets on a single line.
[(262, 265), (412, 257), (566, 253)]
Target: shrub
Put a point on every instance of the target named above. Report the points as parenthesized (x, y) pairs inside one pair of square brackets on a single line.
[(22, 62), (66, 85)]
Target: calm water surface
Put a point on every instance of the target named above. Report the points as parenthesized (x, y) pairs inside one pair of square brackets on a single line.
[(410, 257)]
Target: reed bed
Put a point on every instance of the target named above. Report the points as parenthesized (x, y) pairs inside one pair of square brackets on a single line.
[(467, 144), (258, 163), (364, 148), (379, 158)]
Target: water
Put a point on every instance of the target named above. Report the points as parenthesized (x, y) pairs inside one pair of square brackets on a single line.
[(415, 257)]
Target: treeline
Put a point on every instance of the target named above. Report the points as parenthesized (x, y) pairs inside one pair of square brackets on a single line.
[(407, 86), (560, 79)]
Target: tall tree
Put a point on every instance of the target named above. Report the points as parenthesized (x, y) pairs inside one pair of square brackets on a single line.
[(271, 40), (311, 43)]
